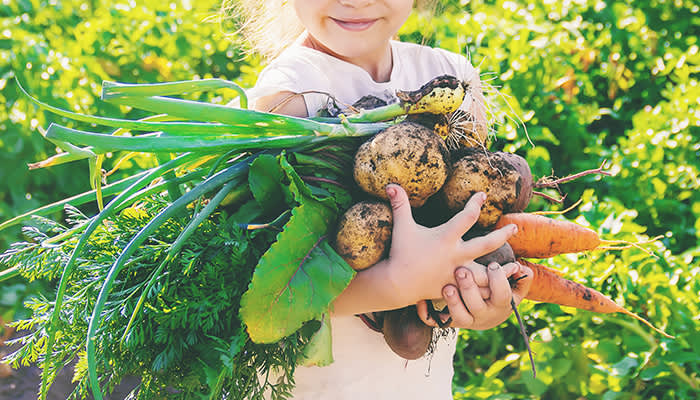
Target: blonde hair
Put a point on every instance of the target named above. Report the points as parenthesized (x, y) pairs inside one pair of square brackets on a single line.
[(267, 27)]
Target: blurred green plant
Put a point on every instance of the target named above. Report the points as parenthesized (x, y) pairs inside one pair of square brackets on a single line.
[(63, 50), (594, 81), (590, 80)]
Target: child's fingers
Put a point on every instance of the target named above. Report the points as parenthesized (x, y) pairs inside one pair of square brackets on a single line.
[(461, 222), (482, 245), (400, 207), (511, 268), (480, 277), (458, 311), (478, 271), (500, 287), (422, 308), (471, 295)]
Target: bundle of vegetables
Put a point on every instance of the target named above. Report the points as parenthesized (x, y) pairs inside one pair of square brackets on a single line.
[(439, 177), (210, 273)]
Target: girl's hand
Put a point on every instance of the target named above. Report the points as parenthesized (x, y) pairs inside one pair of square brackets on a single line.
[(481, 298), (423, 260)]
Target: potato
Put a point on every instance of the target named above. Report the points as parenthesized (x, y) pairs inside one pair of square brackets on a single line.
[(364, 234), (407, 154), (504, 177)]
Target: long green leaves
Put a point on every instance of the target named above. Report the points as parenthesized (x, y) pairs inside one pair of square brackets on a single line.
[(68, 269), (115, 89), (103, 143), (226, 175), (199, 111)]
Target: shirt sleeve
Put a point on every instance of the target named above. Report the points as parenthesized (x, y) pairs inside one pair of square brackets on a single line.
[(293, 74)]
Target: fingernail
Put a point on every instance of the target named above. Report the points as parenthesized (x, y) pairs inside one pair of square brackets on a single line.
[(391, 191), (461, 273), (514, 228), (494, 266), (450, 292), (482, 196)]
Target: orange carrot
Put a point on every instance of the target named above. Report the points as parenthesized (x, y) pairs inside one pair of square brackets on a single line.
[(543, 237), (549, 286)]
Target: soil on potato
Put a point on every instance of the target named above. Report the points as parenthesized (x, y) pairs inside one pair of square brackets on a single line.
[(24, 383)]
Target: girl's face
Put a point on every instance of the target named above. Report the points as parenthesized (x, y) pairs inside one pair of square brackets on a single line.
[(353, 29)]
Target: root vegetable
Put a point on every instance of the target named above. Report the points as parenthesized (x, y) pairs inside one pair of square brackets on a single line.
[(458, 129), (502, 255), (550, 287), (407, 154), (406, 334), (364, 234), (441, 95), (368, 102), (543, 237), (504, 177)]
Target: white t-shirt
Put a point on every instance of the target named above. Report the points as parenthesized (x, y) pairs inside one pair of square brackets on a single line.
[(364, 366), (301, 69)]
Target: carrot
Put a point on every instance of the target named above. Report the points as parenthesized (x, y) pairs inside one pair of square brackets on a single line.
[(549, 286), (543, 237), (539, 236)]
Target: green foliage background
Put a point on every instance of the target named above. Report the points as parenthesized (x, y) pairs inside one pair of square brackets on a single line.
[(590, 80)]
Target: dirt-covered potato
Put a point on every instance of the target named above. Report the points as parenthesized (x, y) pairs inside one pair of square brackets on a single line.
[(504, 178), (407, 154), (524, 185), (364, 234)]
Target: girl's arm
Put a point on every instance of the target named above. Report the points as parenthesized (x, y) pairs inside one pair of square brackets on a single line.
[(287, 103)]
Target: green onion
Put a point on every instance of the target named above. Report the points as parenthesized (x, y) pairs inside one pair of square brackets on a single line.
[(104, 143), (115, 89)]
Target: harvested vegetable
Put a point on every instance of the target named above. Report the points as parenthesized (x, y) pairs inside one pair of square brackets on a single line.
[(550, 287), (441, 95), (539, 236), (406, 334), (458, 129), (407, 154), (240, 216), (364, 234), (504, 177)]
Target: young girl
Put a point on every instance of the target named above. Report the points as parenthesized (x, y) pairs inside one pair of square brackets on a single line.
[(344, 49)]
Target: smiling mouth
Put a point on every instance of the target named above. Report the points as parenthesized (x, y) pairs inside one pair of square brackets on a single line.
[(355, 25)]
